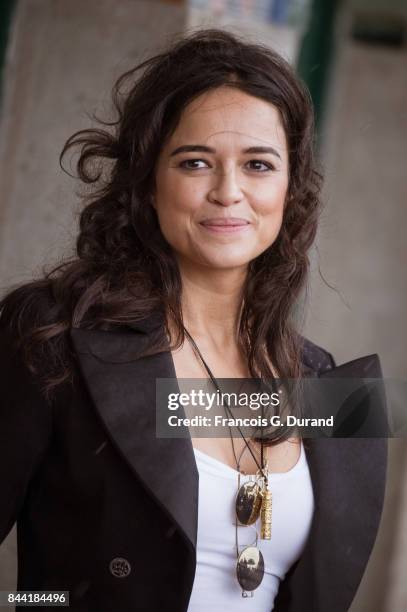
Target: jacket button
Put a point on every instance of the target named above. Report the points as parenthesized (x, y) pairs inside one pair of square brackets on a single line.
[(119, 567)]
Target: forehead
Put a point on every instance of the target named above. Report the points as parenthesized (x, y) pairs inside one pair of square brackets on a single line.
[(230, 112)]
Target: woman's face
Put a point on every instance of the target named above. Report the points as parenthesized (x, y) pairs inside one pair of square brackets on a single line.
[(221, 180)]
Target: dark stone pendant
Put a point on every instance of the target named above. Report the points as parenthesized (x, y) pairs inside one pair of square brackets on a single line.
[(248, 502), (250, 568)]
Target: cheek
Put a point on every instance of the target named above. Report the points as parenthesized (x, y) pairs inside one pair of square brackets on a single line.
[(175, 210), (270, 204), (176, 197), (270, 210)]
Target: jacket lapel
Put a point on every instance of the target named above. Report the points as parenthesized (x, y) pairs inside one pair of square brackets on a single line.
[(122, 388)]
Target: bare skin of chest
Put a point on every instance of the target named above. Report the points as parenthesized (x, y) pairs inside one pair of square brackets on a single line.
[(281, 457)]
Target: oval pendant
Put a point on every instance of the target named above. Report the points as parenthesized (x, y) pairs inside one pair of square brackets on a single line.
[(250, 568), (248, 502)]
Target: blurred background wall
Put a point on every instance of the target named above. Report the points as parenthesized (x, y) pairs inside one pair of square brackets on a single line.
[(59, 62)]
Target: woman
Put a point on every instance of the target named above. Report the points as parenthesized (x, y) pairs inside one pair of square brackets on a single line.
[(191, 258)]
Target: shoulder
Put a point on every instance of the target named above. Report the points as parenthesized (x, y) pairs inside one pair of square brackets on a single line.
[(27, 305), (24, 406), (20, 311), (33, 334), (315, 358), (26, 309)]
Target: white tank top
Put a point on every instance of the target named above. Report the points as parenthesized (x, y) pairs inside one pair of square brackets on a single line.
[(215, 587)]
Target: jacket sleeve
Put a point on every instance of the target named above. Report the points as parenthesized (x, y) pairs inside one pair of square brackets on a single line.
[(25, 431)]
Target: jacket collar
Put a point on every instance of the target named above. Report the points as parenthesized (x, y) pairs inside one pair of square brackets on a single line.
[(347, 475)]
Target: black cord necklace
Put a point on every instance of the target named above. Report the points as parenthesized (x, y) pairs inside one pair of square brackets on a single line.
[(228, 410)]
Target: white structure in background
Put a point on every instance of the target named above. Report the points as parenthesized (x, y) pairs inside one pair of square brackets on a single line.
[(278, 23)]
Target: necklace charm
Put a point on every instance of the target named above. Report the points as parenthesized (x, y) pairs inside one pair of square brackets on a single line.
[(248, 502), (265, 529), (250, 570)]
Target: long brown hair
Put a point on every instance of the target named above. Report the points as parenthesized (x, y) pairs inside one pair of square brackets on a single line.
[(124, 269)]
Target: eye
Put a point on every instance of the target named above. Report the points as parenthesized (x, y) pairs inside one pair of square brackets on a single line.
[(258, 165), (188, 164), (267, 166)]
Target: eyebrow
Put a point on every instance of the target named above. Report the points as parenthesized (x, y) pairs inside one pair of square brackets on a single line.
[(195, 148)]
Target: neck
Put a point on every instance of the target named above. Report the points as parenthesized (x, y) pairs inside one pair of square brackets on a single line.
[(211, 303)]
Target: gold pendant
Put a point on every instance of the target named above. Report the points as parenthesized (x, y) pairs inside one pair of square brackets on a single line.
[(265, 511), (265, 514)]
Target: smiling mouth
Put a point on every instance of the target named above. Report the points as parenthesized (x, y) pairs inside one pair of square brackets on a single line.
[(226, 228), (225, 222)]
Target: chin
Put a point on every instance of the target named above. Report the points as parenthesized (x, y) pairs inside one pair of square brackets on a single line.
[(226, 263)]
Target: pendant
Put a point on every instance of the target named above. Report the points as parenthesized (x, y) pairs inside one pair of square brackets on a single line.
[(248, 502), (265, 518), (250, 569)]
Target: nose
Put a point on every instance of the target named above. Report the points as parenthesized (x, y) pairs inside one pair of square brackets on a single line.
[(226, 190)]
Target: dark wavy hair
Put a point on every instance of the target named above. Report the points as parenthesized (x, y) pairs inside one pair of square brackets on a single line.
[(124, 269)]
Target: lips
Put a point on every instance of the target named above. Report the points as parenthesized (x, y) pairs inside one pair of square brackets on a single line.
[(226, 226), (225, 222)]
